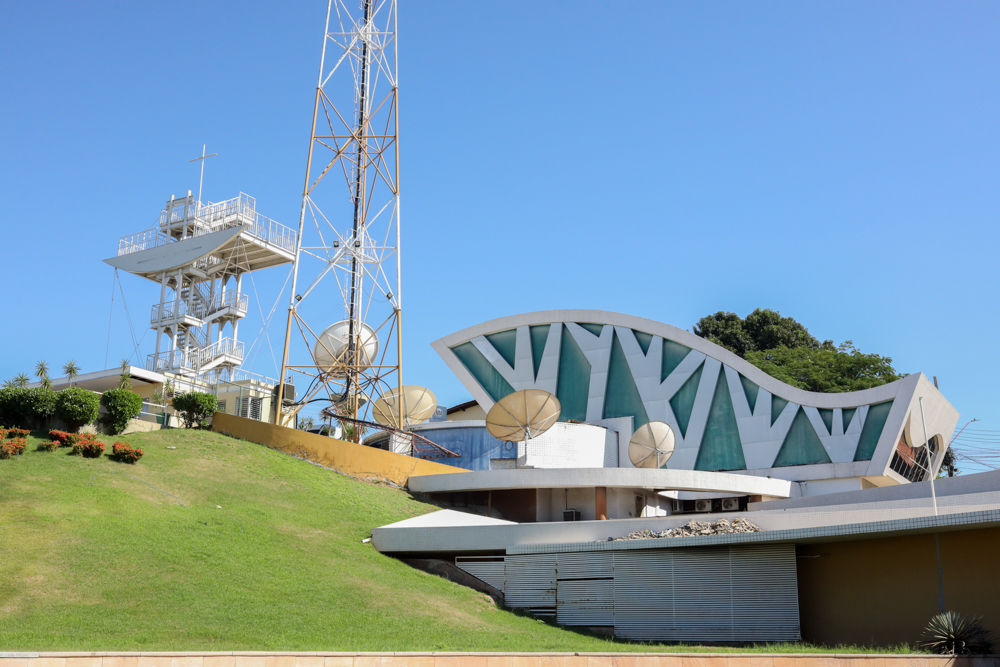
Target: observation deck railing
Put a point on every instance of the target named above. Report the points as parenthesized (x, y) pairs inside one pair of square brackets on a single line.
[(235, 300), (210, 218), (174, 310)]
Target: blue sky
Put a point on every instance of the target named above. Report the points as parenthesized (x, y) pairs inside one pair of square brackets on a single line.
[(836, 161)]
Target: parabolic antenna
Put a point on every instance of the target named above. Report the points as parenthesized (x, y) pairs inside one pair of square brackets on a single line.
[(416, 404), (331, 348), (522, 415), (651, 445)]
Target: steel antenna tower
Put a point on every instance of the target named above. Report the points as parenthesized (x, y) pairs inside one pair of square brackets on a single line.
[(348, 255)]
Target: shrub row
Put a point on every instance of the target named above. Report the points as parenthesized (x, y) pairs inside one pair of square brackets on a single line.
[(75, 406), (33, 407), (83, 444)]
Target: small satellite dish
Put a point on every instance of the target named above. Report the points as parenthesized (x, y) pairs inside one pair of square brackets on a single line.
[(417, 404), (651, 445), (330, 351), (522, 415)]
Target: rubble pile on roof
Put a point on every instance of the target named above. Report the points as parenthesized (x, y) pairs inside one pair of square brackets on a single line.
[(694, 529)]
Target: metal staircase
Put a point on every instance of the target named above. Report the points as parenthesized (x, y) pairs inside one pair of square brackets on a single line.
[(199, 300)]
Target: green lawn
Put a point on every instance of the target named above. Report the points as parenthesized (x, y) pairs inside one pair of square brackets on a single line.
[(265, 553)]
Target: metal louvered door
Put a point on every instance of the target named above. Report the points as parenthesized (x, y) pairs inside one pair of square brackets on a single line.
[(586, 591), (488, 569), (707, 594), (530, 583)]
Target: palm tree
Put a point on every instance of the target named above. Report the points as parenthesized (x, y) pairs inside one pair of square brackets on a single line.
[(71, 370), (46, 383), (21, 380), (41, 370), (125, 378)]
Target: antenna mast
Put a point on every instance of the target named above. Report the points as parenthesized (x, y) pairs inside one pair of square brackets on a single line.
[(350, 272)]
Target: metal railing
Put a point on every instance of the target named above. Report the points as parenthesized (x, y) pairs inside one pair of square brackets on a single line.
[(150, 238), (235, 300), (227, 346), (172, 309), (238, 375), (210, 218), (171, 360)]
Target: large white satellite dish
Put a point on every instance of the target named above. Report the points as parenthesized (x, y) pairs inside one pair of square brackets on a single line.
[(522, 415), (416, 404), (330, 351), (651, 445)]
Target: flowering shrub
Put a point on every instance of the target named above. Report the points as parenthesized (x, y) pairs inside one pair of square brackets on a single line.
[(90, 448), (124, 452), (62, 437), (11, 448), (17, 433), (50, 446)]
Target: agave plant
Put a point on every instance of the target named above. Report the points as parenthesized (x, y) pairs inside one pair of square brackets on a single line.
[(71, 370), (952, 633)]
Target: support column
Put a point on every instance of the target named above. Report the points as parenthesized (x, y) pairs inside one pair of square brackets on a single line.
[(601, 502)]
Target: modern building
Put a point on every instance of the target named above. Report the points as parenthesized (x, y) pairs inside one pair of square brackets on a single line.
[(835, 483)]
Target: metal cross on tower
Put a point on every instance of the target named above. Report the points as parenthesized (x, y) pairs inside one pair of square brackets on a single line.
[(345, 298), (201, 179)]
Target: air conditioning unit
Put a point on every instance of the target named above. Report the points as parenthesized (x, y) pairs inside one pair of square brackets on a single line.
[(571, 515), (703, 506), (730, 504), (677, 506)]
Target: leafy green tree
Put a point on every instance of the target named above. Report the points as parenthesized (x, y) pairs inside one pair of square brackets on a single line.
[(763, 329), (121, 405), (821, 369), (195, 407)]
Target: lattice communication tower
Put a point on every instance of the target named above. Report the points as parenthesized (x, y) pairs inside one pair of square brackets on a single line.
[(345, 301)]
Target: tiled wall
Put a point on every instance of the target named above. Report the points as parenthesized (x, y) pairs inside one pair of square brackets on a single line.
[(247, 659)]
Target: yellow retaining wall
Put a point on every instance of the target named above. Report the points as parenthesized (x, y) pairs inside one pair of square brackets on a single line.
[(347, 457), (254, 659)]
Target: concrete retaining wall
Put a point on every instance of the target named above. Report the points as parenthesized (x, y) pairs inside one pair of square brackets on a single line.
[(347, 457), (252, 659)]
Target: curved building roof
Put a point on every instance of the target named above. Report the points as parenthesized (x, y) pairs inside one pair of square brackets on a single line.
[(727, 414)]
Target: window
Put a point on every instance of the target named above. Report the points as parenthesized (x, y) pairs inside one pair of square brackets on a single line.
[(250, 407), (222, 406)]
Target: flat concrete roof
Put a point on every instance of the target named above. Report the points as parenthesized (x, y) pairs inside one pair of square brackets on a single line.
[(660, 479)]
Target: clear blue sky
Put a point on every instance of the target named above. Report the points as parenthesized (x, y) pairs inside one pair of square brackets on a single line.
[(836, 161)]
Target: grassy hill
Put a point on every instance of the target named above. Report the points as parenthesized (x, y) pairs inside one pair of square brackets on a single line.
[(253, 550)]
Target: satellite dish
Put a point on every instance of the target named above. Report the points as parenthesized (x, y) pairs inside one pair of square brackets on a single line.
[(417, 404), (330, 351), (651, 445), (522, 415)]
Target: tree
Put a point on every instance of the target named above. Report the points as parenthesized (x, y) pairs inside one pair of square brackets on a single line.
[(783, 348), (42, 373), (71, 370), (195, 407), (821, 369), (125, 378), (122, 405), (305, 423), (763, 329)]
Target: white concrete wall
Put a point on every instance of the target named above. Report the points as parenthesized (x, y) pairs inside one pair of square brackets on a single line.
[(566, 446)]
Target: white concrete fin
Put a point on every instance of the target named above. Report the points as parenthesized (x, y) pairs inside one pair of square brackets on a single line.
[(754, 429), (597, 349), (495, 359), (548, 368)]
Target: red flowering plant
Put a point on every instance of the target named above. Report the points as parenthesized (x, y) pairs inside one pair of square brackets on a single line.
[(11, 448), (89, 448), (62, 437), (124, 452), (17, 433), (48, 446)]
